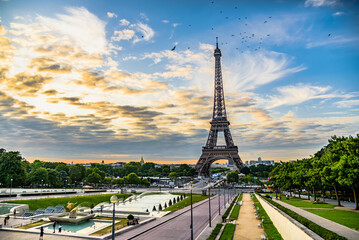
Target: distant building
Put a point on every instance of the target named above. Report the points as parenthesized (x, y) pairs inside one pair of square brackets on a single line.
[(142, 161), (259, 161), (118, 164)]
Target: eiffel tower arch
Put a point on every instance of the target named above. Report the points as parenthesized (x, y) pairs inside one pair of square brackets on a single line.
[(211, 152)]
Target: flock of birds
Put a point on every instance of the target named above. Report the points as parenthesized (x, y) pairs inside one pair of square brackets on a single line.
[(248, 41)]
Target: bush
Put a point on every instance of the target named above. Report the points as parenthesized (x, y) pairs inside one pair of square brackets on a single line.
[(154, 208), (215, 232), (160, 207), (165, 205), (323, 232), (130, 217), (174, 200), (178, 199), (225, 215), (170, 203)]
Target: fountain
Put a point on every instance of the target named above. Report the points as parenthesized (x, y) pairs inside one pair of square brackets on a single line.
[(72, 217)]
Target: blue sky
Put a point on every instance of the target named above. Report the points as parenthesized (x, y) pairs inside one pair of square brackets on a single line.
[(97, 80)]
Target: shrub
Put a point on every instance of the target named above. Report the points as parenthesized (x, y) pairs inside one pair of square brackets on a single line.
[(154, 208), (130, 217), (165, 205), (160, 207), (170, 203), (324, 233), (178, 199), (174, 200), (215, 232)]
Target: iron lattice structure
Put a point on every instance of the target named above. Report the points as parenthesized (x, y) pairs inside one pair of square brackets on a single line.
[(211, 152)]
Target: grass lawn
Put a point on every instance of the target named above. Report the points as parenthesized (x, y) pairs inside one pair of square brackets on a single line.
[(269, 228), (346, 218), (122, 223), (228, 232), (302, 203), (235, 212), (215, 232), (186, 202), (31, 225), (83, 201)]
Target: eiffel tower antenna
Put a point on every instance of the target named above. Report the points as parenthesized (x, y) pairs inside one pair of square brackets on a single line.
[(211, 152)]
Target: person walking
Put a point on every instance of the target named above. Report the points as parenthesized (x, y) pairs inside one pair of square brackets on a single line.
[(54, 226), (5, 219), (41, 233), (14, 213), (60, 228)]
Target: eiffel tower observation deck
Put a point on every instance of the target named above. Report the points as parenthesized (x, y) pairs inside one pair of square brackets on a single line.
[(212, 152)]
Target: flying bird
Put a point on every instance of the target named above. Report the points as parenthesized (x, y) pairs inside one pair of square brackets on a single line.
[(329, 34), (173, 48), (265, 21)]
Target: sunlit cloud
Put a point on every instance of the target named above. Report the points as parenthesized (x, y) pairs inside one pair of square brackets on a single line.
[(320, 3)]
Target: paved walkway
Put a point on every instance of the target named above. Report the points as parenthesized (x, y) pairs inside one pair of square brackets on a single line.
[(339, 229), (247, 224)]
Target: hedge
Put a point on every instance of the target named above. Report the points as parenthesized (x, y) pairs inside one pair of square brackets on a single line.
[(323, 232), (215, 232)]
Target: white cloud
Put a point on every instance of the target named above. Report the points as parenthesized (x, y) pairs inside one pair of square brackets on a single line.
[(124, 22), (175, 24), (125, 34), (338, 13), (347, 103), (144, 16), (336, 40), (111, 15), (319, 3), (82, 27), (146, 32), (292, 95), (165, 21), (250, 70)]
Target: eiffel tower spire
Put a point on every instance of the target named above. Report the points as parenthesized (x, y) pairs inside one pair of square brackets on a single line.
[(211, 151)]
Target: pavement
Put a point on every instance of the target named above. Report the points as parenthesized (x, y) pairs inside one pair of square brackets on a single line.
[(177, 225), (339, 229), (247, 224), (332, 201)]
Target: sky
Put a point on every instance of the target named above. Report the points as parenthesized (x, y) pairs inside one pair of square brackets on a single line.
[(86, 80)]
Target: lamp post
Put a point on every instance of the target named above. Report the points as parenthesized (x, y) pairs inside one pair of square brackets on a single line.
[(114, 200), (209, 204), (42, 181), (219, 200), (65, 186), (191, 212), (224, 195), (10, 187)]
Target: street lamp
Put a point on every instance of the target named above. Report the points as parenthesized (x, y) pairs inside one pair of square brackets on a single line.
[(209, 204), (224, 195), (191, 212), (65, 186), (42, 180), (219, 200), (10, 187), (114, 200)]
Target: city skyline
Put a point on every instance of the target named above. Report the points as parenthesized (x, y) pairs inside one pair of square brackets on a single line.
[(117, 80)]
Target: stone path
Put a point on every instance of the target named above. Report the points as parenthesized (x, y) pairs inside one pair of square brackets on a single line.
[(339, 229), (247, 224)]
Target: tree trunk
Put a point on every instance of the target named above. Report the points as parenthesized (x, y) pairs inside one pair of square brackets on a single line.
[(308, 193), (323, 195), (337, 196), (355, 198), (299, 193), (315, 195)]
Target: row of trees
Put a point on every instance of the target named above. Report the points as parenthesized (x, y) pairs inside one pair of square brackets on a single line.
[(333, 168), (58, 174)]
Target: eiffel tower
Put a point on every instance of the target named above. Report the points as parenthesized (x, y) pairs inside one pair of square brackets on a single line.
[(211, 152)]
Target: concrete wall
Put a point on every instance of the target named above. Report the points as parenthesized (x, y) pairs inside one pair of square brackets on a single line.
[(288, 228)]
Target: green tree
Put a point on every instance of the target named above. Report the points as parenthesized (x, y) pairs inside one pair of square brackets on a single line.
[(145, 182), (38, 176), (11, 167), (52, 177), (94, 178), (173, 175), (133, 179), (62, 167), (232, 177), (245, 170), (77, 173)]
